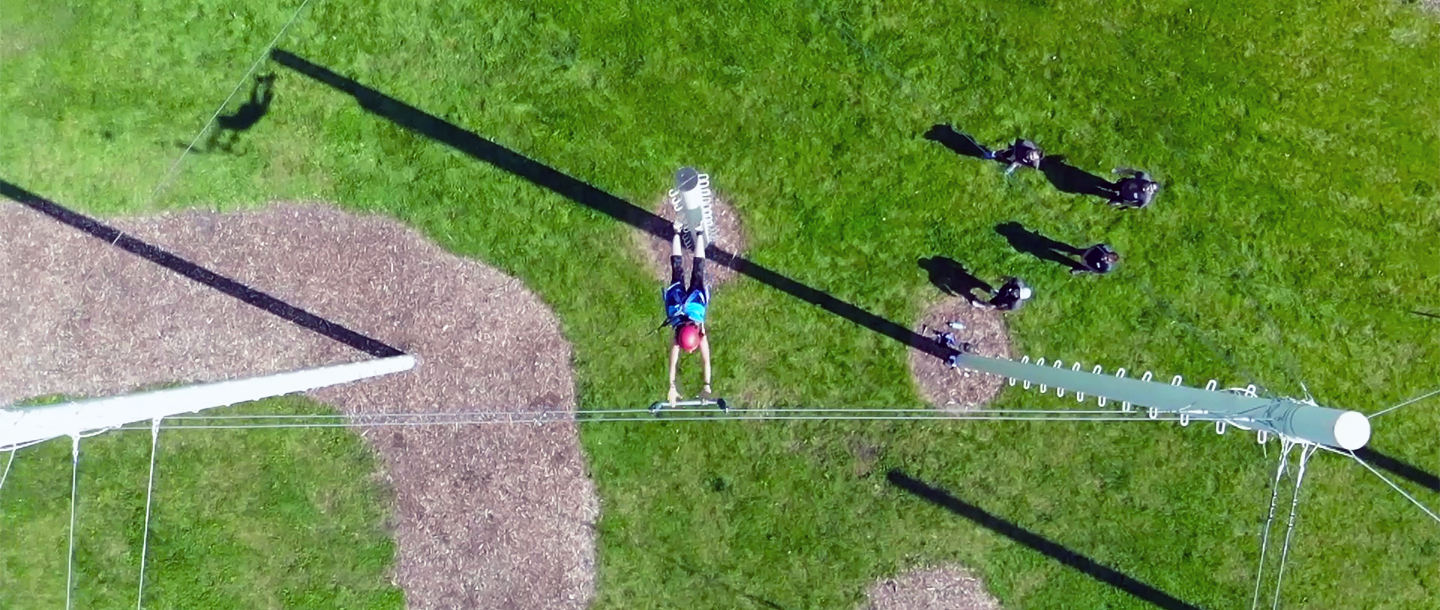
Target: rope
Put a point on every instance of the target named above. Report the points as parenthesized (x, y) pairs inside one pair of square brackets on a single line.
[(644, 415), (74, 481), (164, 181), (3, 476), (1388, 482), (1287, 445), (149, 491), (7, 468), (585, 413), (19, 446), (1412, 400), (1305, 454), (636, 419)]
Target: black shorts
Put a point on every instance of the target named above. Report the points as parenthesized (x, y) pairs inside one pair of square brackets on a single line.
[(697, 272)]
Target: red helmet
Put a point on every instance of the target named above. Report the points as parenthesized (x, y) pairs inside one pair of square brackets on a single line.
[(687, 336)]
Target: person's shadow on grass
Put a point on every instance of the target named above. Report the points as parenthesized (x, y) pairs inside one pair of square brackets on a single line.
[(1070, 179), (229, 126), (1029, 242), (951, 278), (957, 142)]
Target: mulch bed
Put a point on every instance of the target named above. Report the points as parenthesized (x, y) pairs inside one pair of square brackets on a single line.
[(959, 389), (485, 516), (945, 588)]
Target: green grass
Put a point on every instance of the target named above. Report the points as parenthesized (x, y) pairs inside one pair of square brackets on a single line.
[(1297, 141), (239, 520)]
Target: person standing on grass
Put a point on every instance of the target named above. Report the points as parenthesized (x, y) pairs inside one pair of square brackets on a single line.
[(1022, 152), (1135, 190), (685, 308), (1009, 297), (1098, 259)]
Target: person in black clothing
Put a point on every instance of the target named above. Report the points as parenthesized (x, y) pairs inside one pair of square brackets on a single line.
[(1022, 152), (1097, 259), (1012, 294), (1135, 189), (948, 339)]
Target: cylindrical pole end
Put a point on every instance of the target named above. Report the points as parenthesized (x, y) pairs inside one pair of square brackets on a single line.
[(1352, 430)]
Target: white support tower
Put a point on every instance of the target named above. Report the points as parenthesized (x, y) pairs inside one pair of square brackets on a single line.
[(21, 426), (1302, 421)]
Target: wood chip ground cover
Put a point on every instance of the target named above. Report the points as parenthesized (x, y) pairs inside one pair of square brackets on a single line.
[(497, 516)]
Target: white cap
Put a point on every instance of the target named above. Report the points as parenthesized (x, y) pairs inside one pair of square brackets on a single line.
[(1352, 430), (1025, 293), (687, 179)]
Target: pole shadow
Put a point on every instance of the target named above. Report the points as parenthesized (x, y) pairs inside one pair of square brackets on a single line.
[(951, 278), (1425, 314), (959, 143), (544, 176), (1029, 242), (1067, 178), (1045, 546), (1400, 468), (198, 274)]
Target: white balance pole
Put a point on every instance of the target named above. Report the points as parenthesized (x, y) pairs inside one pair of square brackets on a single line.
[(1297, 420), (25, 425), (692, 198)]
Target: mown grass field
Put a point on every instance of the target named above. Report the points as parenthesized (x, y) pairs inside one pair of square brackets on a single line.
[(1294, 243)]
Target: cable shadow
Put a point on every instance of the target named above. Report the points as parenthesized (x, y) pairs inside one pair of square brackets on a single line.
[(1067, 178), (959, 143), (544, 176), (1045, 546), (717, 582), (198, 274), (1400, 468), (951, 278), (1029, 242), (1425, 314), (710, 579)]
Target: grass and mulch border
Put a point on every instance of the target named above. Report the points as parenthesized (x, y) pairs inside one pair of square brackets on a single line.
[(481, 515), (1284, 139)]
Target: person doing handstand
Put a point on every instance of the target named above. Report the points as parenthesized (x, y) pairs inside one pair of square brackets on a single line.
[(685, 308)]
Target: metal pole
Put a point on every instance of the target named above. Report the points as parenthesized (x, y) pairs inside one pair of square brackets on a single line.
[(31, 424), (1297, 420)]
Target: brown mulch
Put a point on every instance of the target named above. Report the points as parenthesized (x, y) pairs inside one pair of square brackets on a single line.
[(944, 588), (656, 252), (485, 516), (959, 389)]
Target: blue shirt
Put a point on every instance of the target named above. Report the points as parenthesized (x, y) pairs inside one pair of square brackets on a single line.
[(681, 305)]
